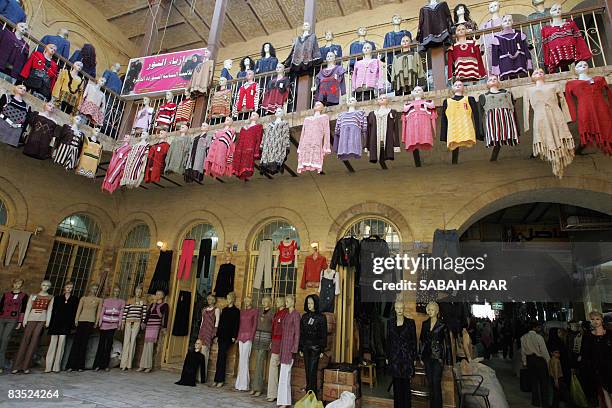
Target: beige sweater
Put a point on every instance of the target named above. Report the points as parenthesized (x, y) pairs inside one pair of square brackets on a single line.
[(89, 309)]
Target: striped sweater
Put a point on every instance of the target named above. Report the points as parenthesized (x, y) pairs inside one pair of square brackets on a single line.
[(134, 311), (133, 173), (465, 61)]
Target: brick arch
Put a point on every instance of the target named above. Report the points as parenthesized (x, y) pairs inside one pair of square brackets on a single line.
[(107, 225), (16, 204), (269, 214), (190, 220), (590, 193), (374, 209), (123, 228)]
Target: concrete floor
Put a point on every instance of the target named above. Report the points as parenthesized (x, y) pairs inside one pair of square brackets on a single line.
[(510, 383)]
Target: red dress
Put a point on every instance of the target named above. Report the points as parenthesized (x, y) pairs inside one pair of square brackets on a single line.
[(563, 45), (465, 61), (247, 151), (594, 113), (156, 162), (248, 98)]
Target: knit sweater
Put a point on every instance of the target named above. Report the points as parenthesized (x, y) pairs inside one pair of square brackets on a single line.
[(304, 54)]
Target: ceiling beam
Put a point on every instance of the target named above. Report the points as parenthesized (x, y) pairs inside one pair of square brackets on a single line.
[(532, 207), (178, 23), (189, 23), (263, 26), (197, 13), (370, 4), (341, 8), (127, 13), (284, 13), (543, 213), (235, 27), (183, 46)]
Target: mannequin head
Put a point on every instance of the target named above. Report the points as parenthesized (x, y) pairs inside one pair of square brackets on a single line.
[(198, 345), (138, 291), (367, 48), (494, 7), (227, 64), (396, 20), (116, 291), (596, 319), (21, 28), (582, 67), (223, 83), (330, 58), (351, 101), (186, 93), (280, 69), (254, 117), (247, 302), (383, 101), (399, 309), (279, 113), (460, 31), (245, 63), (318, 106), (461, 10), (432, 309), (266, 302), (50, 49), (289, 301), (250, 75), (93, 289), (204, 127), (184, 128), (168, 96), (228, 122), (77, 120), (306, 27), (493, 81), (211, 300), (146, 101), (458, 88), (507, 21), (17, 284), (116, 67), (329, 36), (311, 304), (405, 42), (268, 48), (417, 92), (77, 66), (555, 10), (362, 31), (49, 107), (231, 298), (537, 75), (45, 285), (19, 90), (280, 302), (159, 296), (101, 81), (63, 32), (536, 3)]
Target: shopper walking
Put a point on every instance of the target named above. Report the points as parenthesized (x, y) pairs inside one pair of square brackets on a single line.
[(535, 357)]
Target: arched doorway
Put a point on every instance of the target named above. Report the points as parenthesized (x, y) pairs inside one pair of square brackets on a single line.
[(133, 259)]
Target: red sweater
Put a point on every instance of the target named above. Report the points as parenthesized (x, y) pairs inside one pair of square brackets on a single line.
[(156, 162), (277, 329), (312, 269), (465, 61), (248, 98), (38, 61), (563, 45)]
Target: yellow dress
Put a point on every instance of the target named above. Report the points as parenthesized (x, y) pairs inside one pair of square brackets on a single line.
[(461, 132), (90, 157)]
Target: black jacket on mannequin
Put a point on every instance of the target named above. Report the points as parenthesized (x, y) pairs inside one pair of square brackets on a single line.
[(229, 322), (401, 347), (63, 314), (194, 362), (313, 340), (435, 343), (346, 253)]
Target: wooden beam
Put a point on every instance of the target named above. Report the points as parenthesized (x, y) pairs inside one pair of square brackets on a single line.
[(189, 23), (532, 207), (495, 153), (284, 13), (310, 13), (455, 156), (417, 157), (216, 27), (370, 4), (126, 13), (176, 24), (263, 26), (289, 170), (172, 181), (229, 18), (340, 7), (544, 211), (348, 166)]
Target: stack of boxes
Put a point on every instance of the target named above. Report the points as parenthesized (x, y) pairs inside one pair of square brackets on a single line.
[(337, 381)]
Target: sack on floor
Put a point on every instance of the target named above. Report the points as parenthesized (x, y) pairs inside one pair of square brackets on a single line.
[(578, 397), (525, 380), (309, 401), (346, 400)]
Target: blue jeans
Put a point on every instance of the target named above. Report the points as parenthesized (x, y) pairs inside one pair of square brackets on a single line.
[(445, 243)]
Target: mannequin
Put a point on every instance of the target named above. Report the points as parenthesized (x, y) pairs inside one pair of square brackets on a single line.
[(275, 347), (500, 125), (462, 16), (487, 39), (142, 121), (348, 136), (245, 66), (330, 46), (109, 320), (277, 91), (313, 339), (196, 155), (61, 324), (68, 88), (15, 50), (357, 46), (134, 315), (116, 168), (221, 100), (87, 54), (552, 140), (369, 73), (262, 344), (13, 116), (208, 327), (276, 135), (314, 265), (155, 323), (40, 72), (246, 335), (133, 171), (382, 139), (314, 141), (225, 72), (419, 122), (563, 43), (69, 144), (435, 352), (247, 148), (184, 110), (94, 101), (289, 346), (268, 61), (394, 38), (13, 306), (435, 25), (305, 52), (37, 315), (329, 82), (194, 361), (407, 68), (460, 120), (514, 42), (402, 354), (113, 82), (248, 95), (40, 138), (90, 156), (60, 41), (165, 113), (464, 60), (288, 250), (86, 319), (227, 333), (592, 111), (219, 162), (595, 351)]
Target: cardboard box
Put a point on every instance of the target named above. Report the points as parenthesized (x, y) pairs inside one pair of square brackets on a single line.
[(332, 376), (323, 362), (331, 392)]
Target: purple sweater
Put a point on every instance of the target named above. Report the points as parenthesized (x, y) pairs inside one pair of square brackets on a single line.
[(13, 306), (111, 313), (291, 337), (248, 324)]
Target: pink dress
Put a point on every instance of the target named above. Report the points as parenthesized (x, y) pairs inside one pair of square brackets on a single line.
[(115, 169), (314, 143), (221, 154), (208, 331), (419, 124)]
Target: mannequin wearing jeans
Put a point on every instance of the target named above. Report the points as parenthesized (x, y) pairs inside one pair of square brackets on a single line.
[(246, 334), (86, 320), (227, 333), (313, 339), (275, 347), (134, 314), (61, 324), (401, 354), (435, 352), (12, 310), (289, 346), (110, 320)]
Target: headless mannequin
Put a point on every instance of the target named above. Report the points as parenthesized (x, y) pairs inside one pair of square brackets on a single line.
[(555, 12), (582, 69)]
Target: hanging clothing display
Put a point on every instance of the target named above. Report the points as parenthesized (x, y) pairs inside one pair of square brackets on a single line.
[(263, 269), (219, 160), (184, 111), (564, 45), (227, 333), (394, 39), (356, 48), (156, 161), (225, 280), (69, 144), (510, 56), (406, 70), (17, 238), (329, 288), (313, 340), (370, 248), (350, 134), (202, 77), (186, 259), (435, 24), (594, 113), (113, 82), (14, 53), (500, 127), (90, 157), (313, 268), (204, 256), (165, 115), (115, 169), (369, 73), (329, 84), (67, 90), (194, 361), (194, 165), (487, 39), (266, 64), (13, 119), (180, 327), (178, 151), (40, 74), (419, 125), (247, 151), (304, 54), (247, 99), (220, 103), (62, 44), (41, 132), (246, 334), (383, 134), (94, 103), (552, 140), (286, 252), (460, 122), (314, 143), (143, 118), (465, 62), (346, 253), (335, 48), (135, 165), (275, 145), (276, 94), (161, 276)]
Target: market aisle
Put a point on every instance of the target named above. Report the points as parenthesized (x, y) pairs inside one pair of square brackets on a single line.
[(503, 370)]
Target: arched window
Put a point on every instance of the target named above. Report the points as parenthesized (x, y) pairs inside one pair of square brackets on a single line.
[(133, 259), (77, 242), (3, 226), (370, 226), (284, 277)]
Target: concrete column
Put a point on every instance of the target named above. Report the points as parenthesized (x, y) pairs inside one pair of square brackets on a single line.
[(310, 13), (216, 27)]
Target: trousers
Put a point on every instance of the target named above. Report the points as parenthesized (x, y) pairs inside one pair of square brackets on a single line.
[(538, 373), (263, 270), (6, 329), (105, 346), (433, 372), (311, 364), (445, 242), (284, 385), (146, 358), (184, 266), (261, 356), (222, 360), (76, 361), (206, 353), (53, 361), (402, 395), (17, 238), (129, 342), (244, 352), (28, 345), (273, 376)]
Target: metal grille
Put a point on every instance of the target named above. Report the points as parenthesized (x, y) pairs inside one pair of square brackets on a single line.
[(79, 227), (138, 237), (133, 259), (368, 227), (3, 213)]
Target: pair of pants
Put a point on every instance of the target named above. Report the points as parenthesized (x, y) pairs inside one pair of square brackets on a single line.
[(538, 373), (284, 385), (222, 360), (264, 265), (445, 242), (206, 352), (311, 364), (129, 342), (17, 238), (402, 397), (146, 358), (28, 345), (184, 266), (244, 355), (180, 326), (161, 276), (76, 361), (433, 372), (55, 352), (6, 329), (204, 255), (105, 346), (273, 376), (261, 356)]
